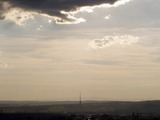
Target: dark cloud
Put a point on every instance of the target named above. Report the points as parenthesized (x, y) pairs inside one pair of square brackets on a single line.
[(51, 8)]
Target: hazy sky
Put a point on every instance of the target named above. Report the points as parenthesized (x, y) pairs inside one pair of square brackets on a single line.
[(53, 49)]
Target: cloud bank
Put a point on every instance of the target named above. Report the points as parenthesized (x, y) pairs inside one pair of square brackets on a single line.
[(107, 41), (62, 11)]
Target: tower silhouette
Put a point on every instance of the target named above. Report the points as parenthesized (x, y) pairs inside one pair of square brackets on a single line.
[(80, 98)]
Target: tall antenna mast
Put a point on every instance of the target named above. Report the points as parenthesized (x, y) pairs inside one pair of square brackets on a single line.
[(80, 98)]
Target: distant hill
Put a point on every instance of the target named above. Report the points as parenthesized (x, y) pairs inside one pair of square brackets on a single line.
[(33, 103), (112, 107)]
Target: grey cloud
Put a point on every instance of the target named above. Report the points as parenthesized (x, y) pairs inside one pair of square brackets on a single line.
[(52, 8)]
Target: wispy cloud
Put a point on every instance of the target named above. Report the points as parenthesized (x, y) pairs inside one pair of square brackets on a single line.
[(103, 62), (3, 64), (62, 11), (107, 41)]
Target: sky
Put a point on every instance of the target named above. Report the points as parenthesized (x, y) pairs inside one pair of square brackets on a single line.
[(55, 49)]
